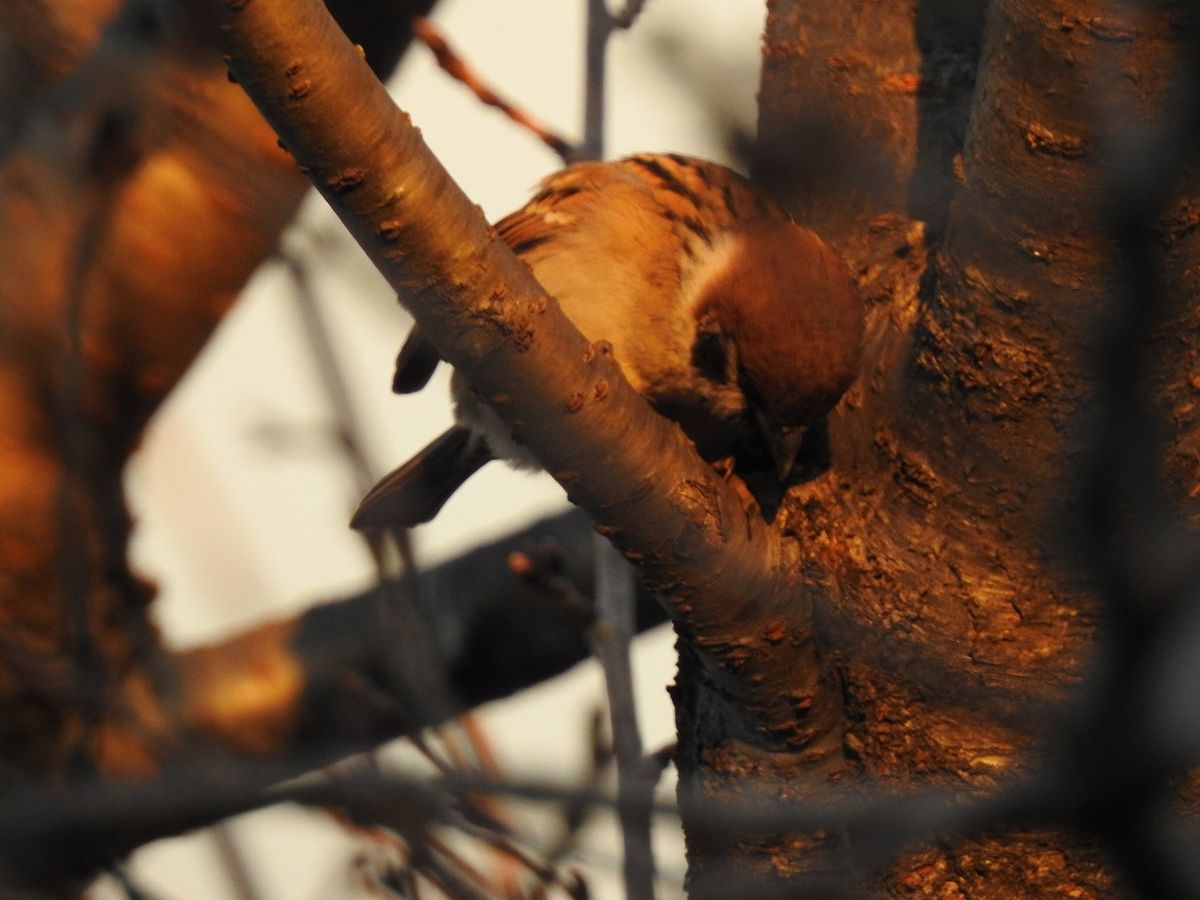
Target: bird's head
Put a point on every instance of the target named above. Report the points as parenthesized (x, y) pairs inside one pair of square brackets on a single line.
[(790, 318)]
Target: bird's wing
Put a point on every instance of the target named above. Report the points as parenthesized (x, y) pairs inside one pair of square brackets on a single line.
[(561, 201)]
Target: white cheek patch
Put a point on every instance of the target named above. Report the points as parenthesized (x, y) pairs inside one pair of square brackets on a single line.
[(710, 263)]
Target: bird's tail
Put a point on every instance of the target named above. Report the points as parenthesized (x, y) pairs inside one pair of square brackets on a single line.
[(414, 493)]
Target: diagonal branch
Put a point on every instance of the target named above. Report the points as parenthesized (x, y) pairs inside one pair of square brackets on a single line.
[(714, 565), (458, 69)]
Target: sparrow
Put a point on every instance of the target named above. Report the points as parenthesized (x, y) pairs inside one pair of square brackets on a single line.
[(742, 326)]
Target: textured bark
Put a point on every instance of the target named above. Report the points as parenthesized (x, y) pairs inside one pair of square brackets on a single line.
[(952, 602)]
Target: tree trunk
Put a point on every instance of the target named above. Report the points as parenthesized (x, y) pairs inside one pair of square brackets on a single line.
[(939, 546)]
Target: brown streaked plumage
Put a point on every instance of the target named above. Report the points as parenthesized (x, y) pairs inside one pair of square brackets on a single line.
[(728, 317)]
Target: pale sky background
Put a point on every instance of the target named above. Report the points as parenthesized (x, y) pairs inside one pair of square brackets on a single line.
[(237, 531)]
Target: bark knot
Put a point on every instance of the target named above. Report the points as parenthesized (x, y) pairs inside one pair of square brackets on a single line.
[(347, 180), (1040, 139), (698, 501)]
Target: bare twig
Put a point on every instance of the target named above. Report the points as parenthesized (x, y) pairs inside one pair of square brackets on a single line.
[(458, 69), (600, 26), (109, 160), (484, 813), (455, 861), (131, 889), (446, 877), (541, 568), (480, 744), (504, 844), (234, 862), (413, 884), (611, 638), (329, 373), (628, 14), (407, 648), (72, 505), (484, 758), (37, 823)]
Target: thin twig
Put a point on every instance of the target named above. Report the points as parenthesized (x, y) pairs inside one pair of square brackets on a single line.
[(612, 636), (233, 862), (485, 759), (541, 567), (120, 874), (406, 644), (426, 675), (627, 16), (480, 744), (460, 865), (329, 373), (74, 564), (445, 877), (505, 844), (111, 155), (600, 26), (420, 741), (458, 69)]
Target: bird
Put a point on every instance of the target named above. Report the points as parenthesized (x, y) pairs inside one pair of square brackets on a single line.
[(731, 319)]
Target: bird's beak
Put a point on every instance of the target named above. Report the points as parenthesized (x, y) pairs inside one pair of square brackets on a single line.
[(784, 444)]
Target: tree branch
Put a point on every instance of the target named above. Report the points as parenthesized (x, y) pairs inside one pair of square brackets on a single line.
[(715, 566), (612, 635), (297, 686), (458, 69)]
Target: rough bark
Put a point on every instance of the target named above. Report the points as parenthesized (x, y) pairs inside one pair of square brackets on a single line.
[(954, 602)]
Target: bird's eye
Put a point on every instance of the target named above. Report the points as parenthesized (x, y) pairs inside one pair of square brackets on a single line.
[(710, 357)]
